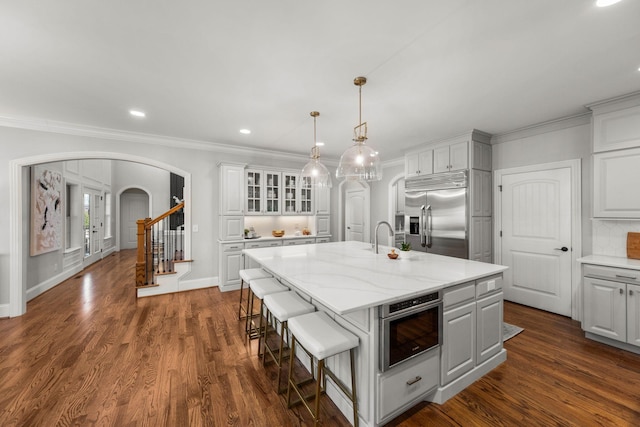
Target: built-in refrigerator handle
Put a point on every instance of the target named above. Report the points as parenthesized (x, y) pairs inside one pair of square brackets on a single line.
[(423, 220), (429, 225)]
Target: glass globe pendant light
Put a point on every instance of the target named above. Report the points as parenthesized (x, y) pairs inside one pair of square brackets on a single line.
[(315, 173), (360, 162)]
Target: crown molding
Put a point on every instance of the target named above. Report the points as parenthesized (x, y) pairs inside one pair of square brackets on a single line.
[(544, 127), (43, 125), (613, 104)]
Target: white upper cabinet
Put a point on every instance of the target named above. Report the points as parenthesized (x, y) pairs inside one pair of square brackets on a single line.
[(451, 157), (616, 130), (419, 163), (481, 156), (298, 198), (231, 189), (616, 175), (263, 196), (322, 199)]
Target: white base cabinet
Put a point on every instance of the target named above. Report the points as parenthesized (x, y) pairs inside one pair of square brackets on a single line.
[(611, 305)]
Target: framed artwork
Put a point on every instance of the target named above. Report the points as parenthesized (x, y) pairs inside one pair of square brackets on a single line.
[(46, 210)]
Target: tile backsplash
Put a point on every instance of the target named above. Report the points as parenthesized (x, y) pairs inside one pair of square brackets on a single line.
[(610, 236)]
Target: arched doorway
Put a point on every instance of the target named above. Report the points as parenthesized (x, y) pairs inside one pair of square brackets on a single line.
[(134, 204), (19, 177)]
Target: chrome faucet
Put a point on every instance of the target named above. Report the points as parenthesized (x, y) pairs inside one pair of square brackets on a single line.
[(376, 233)]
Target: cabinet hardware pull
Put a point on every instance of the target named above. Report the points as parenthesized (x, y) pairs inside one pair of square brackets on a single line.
[(630, 293), (415, 380), (620, 276), (621, 292)]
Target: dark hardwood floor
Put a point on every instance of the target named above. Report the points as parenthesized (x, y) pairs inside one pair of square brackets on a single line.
[(88, 353)]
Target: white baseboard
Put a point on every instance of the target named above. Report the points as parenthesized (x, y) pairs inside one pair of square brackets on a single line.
[(207, 282), (51, 282), (4, 310)]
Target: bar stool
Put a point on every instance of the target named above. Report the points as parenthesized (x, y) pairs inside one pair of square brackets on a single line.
[(321, 337), (282, 306), (246, 276), (259, 288)]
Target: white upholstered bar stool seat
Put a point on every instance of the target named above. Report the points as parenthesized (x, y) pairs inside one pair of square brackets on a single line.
[(246, 276), (282, 306), (259, 288), (321, 337)]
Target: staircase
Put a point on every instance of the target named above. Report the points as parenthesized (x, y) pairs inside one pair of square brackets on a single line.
[(160, 262)]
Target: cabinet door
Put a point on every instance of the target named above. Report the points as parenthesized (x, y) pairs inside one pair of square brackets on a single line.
[(480, 240), (633, 314), (322, 200), (616, 129), (254, 186), (458, 156), (489, 327), (613, 194), (400, 197), (271, 194), (425, 162), (605, 308), (458, 342), (305, 191), (411, 165), (231, 227), (232, 190), (322, 225), (291, 196), (231, 262), (481, 156), (480, 193), (441, 159)]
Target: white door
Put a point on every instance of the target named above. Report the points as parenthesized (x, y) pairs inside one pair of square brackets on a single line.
[(355, 215), (93, 219), (536, 239), (134, 205)]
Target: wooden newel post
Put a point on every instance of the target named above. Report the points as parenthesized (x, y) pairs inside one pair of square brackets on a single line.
[(140, 258)]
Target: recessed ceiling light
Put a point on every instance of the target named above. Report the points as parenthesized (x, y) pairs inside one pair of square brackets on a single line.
[(245, 131), (319, 144), (137, 113), (605, 3)]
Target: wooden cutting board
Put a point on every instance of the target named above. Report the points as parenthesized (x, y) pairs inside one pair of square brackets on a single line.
[(633, 245)]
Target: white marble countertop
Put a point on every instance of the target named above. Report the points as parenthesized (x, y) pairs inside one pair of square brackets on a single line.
[(350, 276), (269, 237), (611, 261)]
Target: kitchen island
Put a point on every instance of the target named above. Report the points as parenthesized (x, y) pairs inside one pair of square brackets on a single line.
[(352, 283)]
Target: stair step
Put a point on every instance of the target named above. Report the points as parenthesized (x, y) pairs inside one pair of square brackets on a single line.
[(152, 285)]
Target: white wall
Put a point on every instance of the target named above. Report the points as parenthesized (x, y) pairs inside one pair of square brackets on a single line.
[(200, 163), (380, 196), (547, 144), (153, 180)]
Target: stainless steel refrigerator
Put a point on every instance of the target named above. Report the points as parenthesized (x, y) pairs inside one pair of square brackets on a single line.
[(436, 214)]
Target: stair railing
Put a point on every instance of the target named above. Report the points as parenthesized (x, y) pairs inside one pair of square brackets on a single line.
[(159, 247)]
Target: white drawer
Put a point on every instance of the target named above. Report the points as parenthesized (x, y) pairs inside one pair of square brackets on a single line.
[(459, 294), (232, 247), (401, 386), (299, 242), (612, 273), (263, 244), (489, 285)]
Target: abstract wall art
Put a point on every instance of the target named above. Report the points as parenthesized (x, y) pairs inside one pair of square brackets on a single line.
[(46, 210)]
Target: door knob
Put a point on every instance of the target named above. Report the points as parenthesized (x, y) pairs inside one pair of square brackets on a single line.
[(563, 249)]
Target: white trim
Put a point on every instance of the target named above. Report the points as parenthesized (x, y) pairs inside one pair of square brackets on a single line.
[(393, 195), (545, 127), (17, 221), (53, 126), (4, 310), (51, 282), (576, 221), (206, 282)]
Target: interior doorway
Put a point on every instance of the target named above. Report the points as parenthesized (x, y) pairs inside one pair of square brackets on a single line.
[(538, 229), (92, 225), (135, 204)]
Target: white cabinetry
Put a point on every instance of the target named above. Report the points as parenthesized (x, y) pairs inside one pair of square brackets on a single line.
[(322, 200), (231, 262), (615, 175), (615, 130), (297, 195), (419, 163), (263, 195), (480, 239), (471, 327), (451, 157), (404, 386), (231, 189), (612, 305), (480, 193)]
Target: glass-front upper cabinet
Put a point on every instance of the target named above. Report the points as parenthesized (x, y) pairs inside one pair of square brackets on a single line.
[(263, 192), (297, 195)]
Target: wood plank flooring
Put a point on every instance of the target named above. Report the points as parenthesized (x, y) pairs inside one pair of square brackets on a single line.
[(88, 353)]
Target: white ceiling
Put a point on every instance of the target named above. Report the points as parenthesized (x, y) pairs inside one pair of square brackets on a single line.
[(203, 69)]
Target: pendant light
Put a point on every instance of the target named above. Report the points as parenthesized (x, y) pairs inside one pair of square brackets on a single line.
[(360, 162), (316, 173)]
